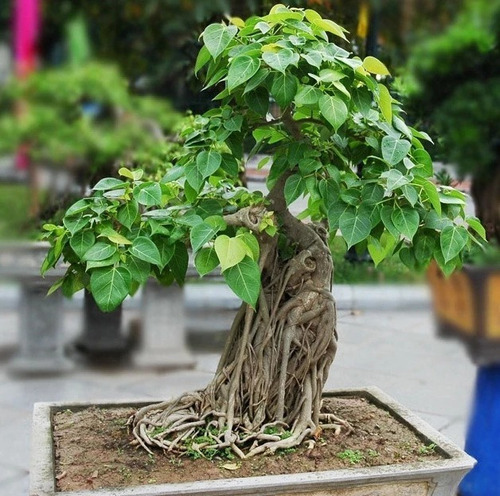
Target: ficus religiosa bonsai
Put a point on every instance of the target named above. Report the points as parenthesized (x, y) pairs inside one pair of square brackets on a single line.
[(340, 140)]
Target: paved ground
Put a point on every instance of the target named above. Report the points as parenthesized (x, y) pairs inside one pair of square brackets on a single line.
[(394, 350)]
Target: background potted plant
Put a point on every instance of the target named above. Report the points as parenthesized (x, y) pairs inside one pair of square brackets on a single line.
[(81, 119), (76, 124), (453, 86), (335, 114)]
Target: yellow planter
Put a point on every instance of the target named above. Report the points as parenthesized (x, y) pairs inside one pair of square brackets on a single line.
[(467, 306)]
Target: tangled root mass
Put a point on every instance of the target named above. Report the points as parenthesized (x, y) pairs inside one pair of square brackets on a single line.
[(266, 393)]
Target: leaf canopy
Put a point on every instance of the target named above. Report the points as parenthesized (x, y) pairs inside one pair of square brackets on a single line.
[(330, 131)]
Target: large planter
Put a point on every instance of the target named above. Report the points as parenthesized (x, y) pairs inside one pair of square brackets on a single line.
[(427, 478), (467, 306)]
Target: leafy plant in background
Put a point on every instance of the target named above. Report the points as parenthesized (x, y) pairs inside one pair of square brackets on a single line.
[(453, 85), (83, 119), (336, 118)]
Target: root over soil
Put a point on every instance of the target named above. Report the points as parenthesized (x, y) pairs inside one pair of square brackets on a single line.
[(266, 393)]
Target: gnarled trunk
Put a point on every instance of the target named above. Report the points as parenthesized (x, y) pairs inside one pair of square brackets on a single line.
[(486, 194), (266, 393)]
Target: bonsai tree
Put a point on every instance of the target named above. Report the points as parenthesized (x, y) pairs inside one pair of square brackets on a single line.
[(453, 85), (83, 119), (336, 116)]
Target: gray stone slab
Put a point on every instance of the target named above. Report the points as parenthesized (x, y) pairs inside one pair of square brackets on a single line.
[(7, 473), (18, 486), (21, 394), (171, 384), (456, 431), (15, 445)]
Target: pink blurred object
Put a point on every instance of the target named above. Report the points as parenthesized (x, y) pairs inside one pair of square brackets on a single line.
[(26, 30)]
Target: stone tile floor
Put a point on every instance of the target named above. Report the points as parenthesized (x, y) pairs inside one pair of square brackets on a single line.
[(394, 350)]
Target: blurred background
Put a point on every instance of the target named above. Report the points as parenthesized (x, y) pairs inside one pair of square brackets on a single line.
[(87, 86)]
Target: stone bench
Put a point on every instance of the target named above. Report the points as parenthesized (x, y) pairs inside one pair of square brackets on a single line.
[(40, 333)]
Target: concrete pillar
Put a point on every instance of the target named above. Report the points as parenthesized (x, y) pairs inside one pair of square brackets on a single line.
[(41, 342), (101, 335), (163, 337)]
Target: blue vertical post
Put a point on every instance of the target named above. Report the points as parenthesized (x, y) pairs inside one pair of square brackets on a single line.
[(483, 436)]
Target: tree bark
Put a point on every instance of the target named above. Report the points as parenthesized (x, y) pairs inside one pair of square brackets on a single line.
[(485, 191)]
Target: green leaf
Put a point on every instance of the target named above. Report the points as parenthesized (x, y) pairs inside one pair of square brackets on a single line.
[(407, 257), (201, 234), (173, 174), (202, 59), (208, 162), (256, 80), (294, 187), (241, 69), (424, 160), (252, 244), (425, 245), (334, 110), (77, 207), (113, 260), (123, 171), (109, 287), (375, 66), (431, 192), (144, 249), (281, 59), (372, 193), (325, 24), (380, 249), (309, 165), (475, 224), (195, 179), (114, 237), (308, 95), (148, 194), (394, 149), (258, 101), (394, 179), (446, 267), (179, 262), (217, 37), (81, 242), (410, 194), (139, 269), (99, 251), (234, 123), (109, 183), (452, 240), (230, 251), (127, 213), (76, 223), (284, 88), (406, 221), (244, 279), (385, 102), (313, 58), (385, 215), (206, 260), (355, 226)]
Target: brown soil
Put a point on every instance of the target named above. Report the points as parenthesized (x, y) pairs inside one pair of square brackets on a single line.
[(92, 450)]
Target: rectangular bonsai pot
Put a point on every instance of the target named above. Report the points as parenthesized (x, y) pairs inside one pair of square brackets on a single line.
[(426, 478)]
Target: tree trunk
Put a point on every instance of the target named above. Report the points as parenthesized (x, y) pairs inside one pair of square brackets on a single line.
[(274, 366), (485, 191)]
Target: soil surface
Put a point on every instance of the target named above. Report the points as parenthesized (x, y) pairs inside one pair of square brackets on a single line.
[(93, 450)]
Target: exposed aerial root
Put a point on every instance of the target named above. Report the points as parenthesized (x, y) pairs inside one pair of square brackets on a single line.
[(266, 393)]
